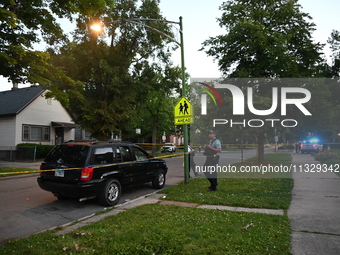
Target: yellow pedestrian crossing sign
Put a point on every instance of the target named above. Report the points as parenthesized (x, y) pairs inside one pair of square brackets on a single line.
[(183, 112)]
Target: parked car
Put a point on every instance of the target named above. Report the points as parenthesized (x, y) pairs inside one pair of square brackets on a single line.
[(99, 170), (168, 147), (310, 146)]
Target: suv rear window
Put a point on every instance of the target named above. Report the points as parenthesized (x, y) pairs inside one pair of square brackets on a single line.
[(103, 155), (68, 155)]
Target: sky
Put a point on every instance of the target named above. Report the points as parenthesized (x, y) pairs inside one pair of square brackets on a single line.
[(199, 23)]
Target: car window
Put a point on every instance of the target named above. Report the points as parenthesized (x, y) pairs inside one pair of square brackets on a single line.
[(139, 154), (69, 155), (123, 154), (103, 155)]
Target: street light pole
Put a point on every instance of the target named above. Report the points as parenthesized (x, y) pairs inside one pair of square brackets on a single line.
[(184, 89), (184, 94)]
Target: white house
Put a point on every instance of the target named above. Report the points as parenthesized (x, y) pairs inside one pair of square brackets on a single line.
[(26, 116)]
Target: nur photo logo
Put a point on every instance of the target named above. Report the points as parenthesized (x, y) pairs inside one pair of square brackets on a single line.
[(204, 96), (282, 96)]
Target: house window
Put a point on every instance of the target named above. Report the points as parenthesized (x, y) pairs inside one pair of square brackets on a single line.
[(35, 133), (25, 133)]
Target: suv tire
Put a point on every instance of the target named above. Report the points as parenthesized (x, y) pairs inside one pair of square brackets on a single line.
[(111, 193), (61, 197), (158, 180)]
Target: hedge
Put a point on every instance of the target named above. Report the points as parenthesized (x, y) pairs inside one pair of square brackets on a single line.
[(41, 152)]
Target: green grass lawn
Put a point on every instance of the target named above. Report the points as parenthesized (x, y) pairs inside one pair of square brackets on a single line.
[(331, 158), (10, 171), (169, 229), (165, 229), (254, 190), (253, 193)]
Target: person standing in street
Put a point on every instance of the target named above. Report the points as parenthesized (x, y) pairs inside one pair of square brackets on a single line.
[(212, 152)]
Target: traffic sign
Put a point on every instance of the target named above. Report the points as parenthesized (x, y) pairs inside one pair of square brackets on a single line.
[(183, 112)]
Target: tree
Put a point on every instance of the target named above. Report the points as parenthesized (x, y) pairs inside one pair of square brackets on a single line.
[(102, 83), (264, 39), (24, 23), (157, 108), (334, 41)]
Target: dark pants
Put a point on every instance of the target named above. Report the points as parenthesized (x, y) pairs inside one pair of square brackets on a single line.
[(211, 175)]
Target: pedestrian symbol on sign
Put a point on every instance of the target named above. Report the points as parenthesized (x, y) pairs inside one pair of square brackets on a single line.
[(180, 108), (184, 107)]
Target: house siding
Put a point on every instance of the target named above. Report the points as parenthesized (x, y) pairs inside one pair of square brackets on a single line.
[(7, 131), (42, 112)]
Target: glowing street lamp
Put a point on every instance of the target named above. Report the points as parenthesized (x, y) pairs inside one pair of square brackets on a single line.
[(98, 27)]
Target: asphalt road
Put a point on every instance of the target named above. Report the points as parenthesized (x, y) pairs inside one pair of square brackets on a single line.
[(26, 209)]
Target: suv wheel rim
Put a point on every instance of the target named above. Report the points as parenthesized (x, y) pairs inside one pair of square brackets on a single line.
[(161, 179), (113, 192)]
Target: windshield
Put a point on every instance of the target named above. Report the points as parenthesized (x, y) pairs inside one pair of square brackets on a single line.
[(68, 155)]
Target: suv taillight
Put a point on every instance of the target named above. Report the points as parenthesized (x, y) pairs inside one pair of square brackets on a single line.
[(86, 174), (41, 173)]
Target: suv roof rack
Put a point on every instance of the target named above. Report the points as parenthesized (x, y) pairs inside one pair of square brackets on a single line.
[(97, 142), (80, 141), (111, 141)]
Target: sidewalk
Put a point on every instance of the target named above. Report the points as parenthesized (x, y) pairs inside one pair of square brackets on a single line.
[(315, 210)]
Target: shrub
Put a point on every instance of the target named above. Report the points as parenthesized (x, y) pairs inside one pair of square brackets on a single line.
[(328, 157), (41, 152)]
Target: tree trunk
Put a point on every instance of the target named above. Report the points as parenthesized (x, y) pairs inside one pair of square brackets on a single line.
[(260, 147), (284, 140), (154, 138)]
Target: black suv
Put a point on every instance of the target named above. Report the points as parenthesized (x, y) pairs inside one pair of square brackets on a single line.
[(99, 170)]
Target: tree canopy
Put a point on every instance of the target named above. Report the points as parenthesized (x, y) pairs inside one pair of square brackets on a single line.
[(24, 23), (334, 41), (107, 82), (265, 39), (102, 78)]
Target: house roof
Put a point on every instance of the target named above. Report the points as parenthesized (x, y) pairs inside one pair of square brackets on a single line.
[(14, 101)]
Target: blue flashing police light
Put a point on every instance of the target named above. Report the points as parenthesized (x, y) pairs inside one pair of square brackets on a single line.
[(314, 140)]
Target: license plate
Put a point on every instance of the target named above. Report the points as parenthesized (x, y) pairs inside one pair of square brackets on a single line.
[(59, 173)]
